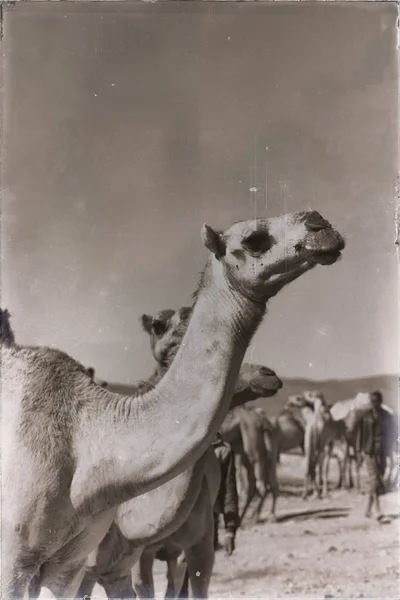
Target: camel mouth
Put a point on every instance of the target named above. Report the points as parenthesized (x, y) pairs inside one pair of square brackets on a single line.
[(327, 258), (323, 247), (269, 387)]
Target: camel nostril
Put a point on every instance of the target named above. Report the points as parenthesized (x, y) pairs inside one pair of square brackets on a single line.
[(314, 222), (267, 371)]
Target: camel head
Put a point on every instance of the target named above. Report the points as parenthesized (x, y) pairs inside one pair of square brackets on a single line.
[(166, 330), (261, 256), (316, 398), (298, 401), (269, 424), (262, 381), (312, 399)]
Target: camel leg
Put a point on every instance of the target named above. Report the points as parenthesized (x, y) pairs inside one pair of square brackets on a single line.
[(251, 489), (318, 481), (262, 493), (309, 474), (115, 579), (342, 468), (184, 591), (119, 588), (350, 484), (171, 568), (261, 484), (305, 487), (142, 575), (87, 584), (273, 482), (63, 581), (200, 562), (241, 487), (177, 576), (310, 479), (18, 568), (346, 470), (358, 460), (250, 495), (278, 455), (16, 583), (326, 459)]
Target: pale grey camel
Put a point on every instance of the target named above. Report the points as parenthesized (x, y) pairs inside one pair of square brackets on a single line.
[(73, 451)]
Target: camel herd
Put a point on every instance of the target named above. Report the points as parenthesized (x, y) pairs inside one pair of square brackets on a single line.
[(96, 484)]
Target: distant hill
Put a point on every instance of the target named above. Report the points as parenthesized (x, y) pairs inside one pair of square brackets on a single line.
[(333, 389)]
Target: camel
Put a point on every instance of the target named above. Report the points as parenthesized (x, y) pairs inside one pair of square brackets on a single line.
[(260, 441), (73, 451), (290, 431), (242, 428), (255, 456), (111, 563), (321, 431)]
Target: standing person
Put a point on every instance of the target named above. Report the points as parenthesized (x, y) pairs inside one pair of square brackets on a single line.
[(371, 445)]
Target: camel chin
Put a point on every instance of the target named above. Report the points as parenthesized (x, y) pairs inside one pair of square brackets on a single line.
[(325, 258)]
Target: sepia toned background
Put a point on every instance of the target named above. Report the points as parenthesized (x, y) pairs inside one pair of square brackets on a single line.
[(127, 127)]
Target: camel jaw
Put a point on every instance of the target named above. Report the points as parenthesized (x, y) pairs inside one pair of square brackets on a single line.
[(326, 258)]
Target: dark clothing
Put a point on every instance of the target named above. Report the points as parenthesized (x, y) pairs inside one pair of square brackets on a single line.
[(372, 447), (374, 474), (371, 434), (227, 500)]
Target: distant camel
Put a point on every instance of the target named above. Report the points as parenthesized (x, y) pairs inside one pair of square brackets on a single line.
[(255, 448), (290, 431), (73, 452), (321, 431)]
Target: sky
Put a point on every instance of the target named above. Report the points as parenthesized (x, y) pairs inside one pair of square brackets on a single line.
[(127, 127)]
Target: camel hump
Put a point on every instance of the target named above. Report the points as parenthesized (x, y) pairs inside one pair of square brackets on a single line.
[(6, 332)]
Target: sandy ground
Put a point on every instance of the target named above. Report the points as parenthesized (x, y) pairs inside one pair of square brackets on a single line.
[(317, 549)]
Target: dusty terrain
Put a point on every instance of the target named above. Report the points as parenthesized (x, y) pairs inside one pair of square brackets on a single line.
[(318, 549)]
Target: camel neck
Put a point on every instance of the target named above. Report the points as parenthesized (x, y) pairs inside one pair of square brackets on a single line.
[(162, 433)]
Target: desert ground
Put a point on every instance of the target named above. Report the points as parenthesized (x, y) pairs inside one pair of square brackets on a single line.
[(317, 549)]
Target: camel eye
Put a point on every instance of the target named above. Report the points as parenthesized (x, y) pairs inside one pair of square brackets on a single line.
[(158, 327), (257, 243)]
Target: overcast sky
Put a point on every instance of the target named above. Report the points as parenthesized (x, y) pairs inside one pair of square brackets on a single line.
[(128, 127)]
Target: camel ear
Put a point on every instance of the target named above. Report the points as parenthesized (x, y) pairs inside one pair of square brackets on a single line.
[(213, 241), (146, 321), (90, 372)]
